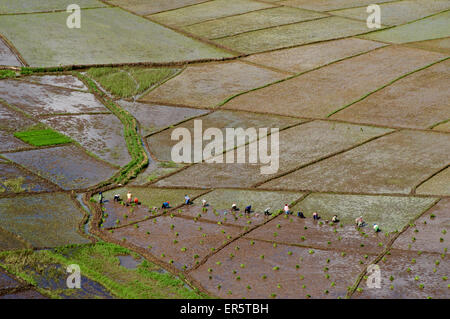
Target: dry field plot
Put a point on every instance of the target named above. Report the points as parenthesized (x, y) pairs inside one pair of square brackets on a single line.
[(399, 12), (328, 5), (391, 164), (46, 220), (261, 19), (260, 270), (27, 6), (299, 145), (417, 266), (311, 56), (437, 45), (161, 144), (416, 101), (181, 240), (146, 7), (100, 134), (208, 11), (154, 117), (44, 40), (323, 91), (433, 27), (293, 34), (7, 57), (67, 166), (437, 185), (9, 241), (64, 81), (207, 85), (42, 99), (444, 127)]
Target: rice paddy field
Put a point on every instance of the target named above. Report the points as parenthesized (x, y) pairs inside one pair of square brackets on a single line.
[(92, 120)]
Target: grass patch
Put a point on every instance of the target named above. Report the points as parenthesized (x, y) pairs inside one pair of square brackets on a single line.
[(99, 263), (7, 74), (127, 82), (39, 136)]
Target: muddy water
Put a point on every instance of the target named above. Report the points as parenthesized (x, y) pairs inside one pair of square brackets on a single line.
[(161, 237), (31, 183), (7, 282), (64, 81), (117, 212), (39, 99), (67, 166), (129, 262), (12, 120), (27, 294), (9, 143), (285, 281)]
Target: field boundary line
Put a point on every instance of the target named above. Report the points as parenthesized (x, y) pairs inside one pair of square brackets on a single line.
[(386, 85), (323, 158), (239, 236), (413, 190), (388, 246)]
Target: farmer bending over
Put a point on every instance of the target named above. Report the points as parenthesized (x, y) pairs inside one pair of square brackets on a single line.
[(248, 209)]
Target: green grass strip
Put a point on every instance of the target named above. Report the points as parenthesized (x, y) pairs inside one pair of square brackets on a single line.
[(139, 158)]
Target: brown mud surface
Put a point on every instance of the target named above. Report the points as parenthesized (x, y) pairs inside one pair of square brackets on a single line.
[(124, 214), (417, 101), (291, 231), (27, 294), (311, 56), (340, 83), (438, 45), (100, 134), (6, 282), (196, 236), (207, 85), (9, 241), (430, 234), (40, 99), (328, 5), (287, 281), (406, 284), (67, 166), (153, 117), (299, 145), (382, 166)]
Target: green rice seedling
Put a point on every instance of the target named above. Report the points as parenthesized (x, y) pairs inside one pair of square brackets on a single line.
[(275, 234), (304, 286), (264, 277), (236, 248), (278, 226), (290, 253), (261, 256), (124, 239), (421, 286), (343, 254), (212, 249), (329, 242), (273, 295), (203, 235), (202, 242), (229, 292), (175, 241), (325, 291), (229, 237), (183, 249), (380, 244), (148, 233), (177, 234), (242, 265), (297, 266), (210, 270), (302, 277), (444, 232), (328, 260), (339, 238), (163, 255), (249, 222), (171, 261), (125, 216), (231, 255), (419, 252), (172, 226), (327, 276), (432, 216), (305, 228), (413, 261), (274, 245), (276, 268), (444, 278), (361, 245), (359, 289), (149, 247), (219, 263), (303, 238), (222, 231), (391, 287), (441, 239), (136, 226), (391, 278), (238, 278), (219, 286), (308, 296), (416, 230), (416, 278), (408, 269), (196, 256), (437, 262), (333, 284), (252, 242), (325, 269), (279, 286), (311, 251)]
